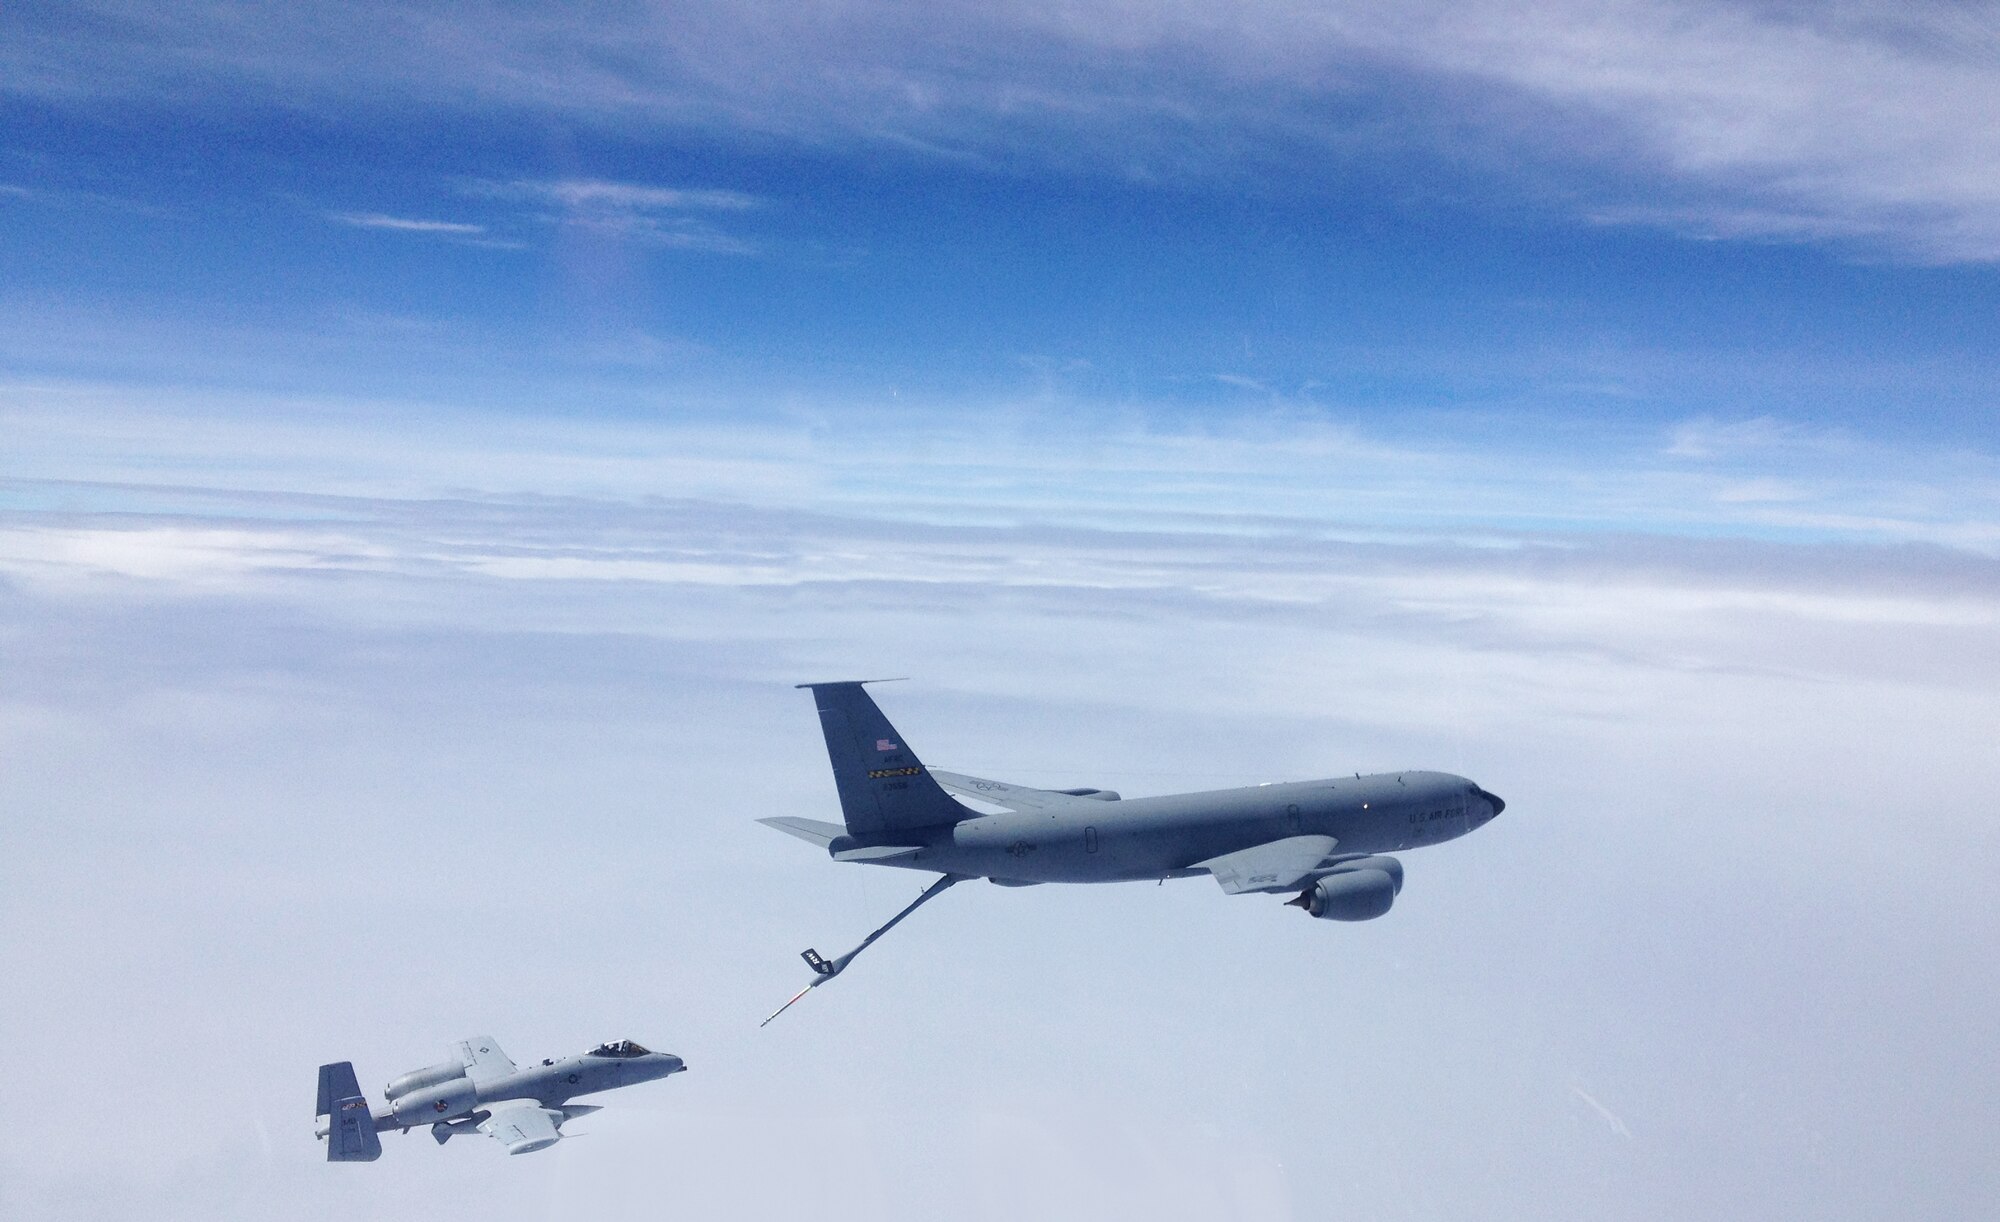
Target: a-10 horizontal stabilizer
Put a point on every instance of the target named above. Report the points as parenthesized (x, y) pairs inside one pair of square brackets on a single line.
[(350, 1129)]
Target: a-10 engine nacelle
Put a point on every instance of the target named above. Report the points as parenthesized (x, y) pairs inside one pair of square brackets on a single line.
[(1358, 890), (452, 1097), (417, 1079)]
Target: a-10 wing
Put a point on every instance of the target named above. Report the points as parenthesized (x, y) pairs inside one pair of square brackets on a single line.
[(483, 1059), (522, 1125), (1013, 797)]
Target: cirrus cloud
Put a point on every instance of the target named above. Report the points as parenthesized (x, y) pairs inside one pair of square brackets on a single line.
[(1857, 123)]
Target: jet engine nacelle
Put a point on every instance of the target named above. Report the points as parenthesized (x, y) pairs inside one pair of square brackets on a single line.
[(1102, 795), (417, 1079), (1358, 890), (1388, 865), (434, 1103)]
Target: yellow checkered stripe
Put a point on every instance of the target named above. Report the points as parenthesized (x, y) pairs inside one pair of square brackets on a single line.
[(879, 773)]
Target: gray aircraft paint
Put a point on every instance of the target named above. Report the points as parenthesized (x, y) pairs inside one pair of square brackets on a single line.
[(898, 812), (480, 1091), (1171, 835), (1322, 840)]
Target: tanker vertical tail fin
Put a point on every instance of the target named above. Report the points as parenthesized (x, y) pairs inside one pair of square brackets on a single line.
[(883, 786)]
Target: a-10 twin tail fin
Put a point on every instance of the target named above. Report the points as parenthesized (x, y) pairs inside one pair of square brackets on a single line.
[(350, 1126)]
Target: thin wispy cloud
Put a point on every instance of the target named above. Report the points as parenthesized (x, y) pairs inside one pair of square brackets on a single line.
[(1609, 1117), (57, 197), (1278, 472), (628, 197), (1665, 601), (1853, 121), (1707, 437), (404, 224), (1859, 123), (644, 213)]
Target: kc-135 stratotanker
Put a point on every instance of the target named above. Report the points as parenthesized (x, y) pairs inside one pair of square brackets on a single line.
[(479, 1090), (1321, 841)]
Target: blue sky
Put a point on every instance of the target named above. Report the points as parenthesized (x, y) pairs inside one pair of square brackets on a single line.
[(983, 207), (433, 439)]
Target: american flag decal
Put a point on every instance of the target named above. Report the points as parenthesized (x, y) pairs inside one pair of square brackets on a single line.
[(883, 744)]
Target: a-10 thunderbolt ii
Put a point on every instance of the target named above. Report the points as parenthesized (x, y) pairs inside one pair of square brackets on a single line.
[(479, 1091), (1323, 842)]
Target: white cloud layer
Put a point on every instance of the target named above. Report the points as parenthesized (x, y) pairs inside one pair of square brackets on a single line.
[(347, 730), (1289, 468)]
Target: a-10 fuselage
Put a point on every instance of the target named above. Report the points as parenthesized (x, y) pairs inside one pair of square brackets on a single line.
[(480, 1090), (1163, 837), (452, 1095)]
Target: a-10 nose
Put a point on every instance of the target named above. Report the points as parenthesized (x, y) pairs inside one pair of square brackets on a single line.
[(669, 1063)]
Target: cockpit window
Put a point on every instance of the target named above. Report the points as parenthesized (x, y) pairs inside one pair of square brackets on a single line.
[(618, 1048)]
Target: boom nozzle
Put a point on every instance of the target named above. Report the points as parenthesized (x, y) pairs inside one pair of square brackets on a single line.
[(788, 1005), (825, 969)]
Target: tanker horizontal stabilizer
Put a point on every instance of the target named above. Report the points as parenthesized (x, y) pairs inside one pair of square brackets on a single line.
[(811, 831), (879, 852), (1013, 797)]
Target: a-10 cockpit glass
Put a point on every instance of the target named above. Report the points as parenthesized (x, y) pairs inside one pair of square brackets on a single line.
[(620, 1048)]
